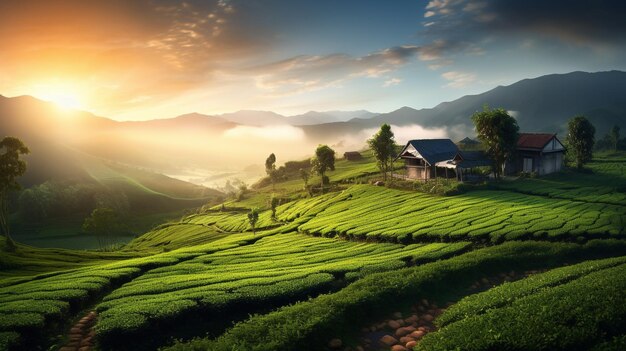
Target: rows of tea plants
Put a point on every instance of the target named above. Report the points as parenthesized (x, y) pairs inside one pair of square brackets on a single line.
[(173, 236), (603, 182), (367, 212), (198, 229), (31, 308), (505, 294), (274, 270), (25, 262), (573, 308), (308, 325)]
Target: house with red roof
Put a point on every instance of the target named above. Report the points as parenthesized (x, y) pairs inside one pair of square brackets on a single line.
[(541, 153)]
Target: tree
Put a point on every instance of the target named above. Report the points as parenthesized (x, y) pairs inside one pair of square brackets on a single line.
[(253, 218), (580, 139), (383, 146), (614, 134), (499, 133), (304, 174), (104, 223), (274, 201), (11, 167), (270, 168), (324, 160)]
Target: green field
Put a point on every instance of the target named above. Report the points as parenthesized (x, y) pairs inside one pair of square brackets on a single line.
[(330, 265)]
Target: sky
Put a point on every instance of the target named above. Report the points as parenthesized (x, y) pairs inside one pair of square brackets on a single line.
[(146, 59)]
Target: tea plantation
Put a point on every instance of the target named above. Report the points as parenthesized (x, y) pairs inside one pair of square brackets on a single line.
[(327, 266)]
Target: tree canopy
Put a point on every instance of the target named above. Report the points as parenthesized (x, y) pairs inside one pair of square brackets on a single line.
[(383, 147), (614, 134), (324, 160), (499, 132), (270, 168), (580, 139), (104, 223), (253, 218), (12, 166)]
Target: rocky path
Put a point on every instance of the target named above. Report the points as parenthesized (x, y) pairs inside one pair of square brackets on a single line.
[(402, 331), (81, 336)]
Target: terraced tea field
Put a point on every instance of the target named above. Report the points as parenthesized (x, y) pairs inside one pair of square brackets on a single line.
[(241, 270), (328, 266), (309, 325), (374, 213)]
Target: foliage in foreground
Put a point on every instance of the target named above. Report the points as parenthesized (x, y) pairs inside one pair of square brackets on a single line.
[(308, 325), (564, 309), (273, 271)]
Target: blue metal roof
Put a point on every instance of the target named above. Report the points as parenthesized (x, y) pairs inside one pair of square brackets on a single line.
[(433, 150)]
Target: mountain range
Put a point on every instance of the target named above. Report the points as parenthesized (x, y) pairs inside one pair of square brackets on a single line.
[(234, 140)]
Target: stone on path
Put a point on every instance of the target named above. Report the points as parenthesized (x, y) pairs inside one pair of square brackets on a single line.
[(388, 340), (335, 343)]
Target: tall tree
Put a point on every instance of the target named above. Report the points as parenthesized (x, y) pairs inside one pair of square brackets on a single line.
[(253, 218), (304, 174), (614, 134), (383, 146), (324, 160), (580, 139), (11, 167), (499, 133), (104, 223), (274, 202), (270, 168)]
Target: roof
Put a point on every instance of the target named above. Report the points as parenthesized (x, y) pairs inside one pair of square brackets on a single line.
[(534, 140), (432, 150), (473, 159), (467, 159)]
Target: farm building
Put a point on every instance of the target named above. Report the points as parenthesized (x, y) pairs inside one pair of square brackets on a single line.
[(420, 157), (352, 155), (537, 152)]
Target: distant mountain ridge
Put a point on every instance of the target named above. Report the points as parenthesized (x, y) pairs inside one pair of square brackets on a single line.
[(542, 104)]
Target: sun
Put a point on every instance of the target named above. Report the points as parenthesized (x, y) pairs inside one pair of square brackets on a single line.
[(62, 94), (64, 100)]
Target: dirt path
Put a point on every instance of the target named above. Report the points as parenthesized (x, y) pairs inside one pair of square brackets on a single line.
[(81, 334)]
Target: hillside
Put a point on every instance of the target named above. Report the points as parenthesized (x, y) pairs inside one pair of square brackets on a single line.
[(361, 266)]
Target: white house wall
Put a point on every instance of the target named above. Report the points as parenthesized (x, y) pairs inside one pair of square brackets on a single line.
[(553, 145)]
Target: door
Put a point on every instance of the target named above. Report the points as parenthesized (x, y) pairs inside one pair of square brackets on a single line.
[(528, 165)]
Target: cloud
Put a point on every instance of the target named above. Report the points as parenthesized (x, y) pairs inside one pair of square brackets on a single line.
[(268, 133), (308, 73), (117, 52), (402, 134), (458, 79), (570, 21), (392, 82)]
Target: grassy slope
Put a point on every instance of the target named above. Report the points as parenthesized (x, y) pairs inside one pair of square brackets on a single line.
[(211, 245)]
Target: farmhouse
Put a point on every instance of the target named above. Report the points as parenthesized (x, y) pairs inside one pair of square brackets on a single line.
[(541, 153), (421, 156)]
